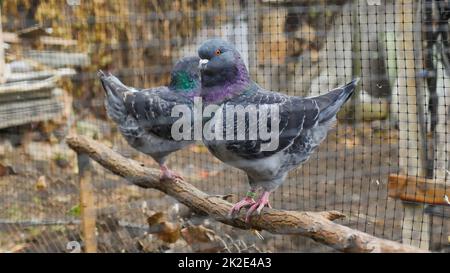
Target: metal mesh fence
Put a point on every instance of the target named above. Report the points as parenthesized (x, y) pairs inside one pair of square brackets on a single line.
[(384, 164)]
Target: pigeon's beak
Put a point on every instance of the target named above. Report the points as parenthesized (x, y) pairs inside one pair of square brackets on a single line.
[(202, 64)]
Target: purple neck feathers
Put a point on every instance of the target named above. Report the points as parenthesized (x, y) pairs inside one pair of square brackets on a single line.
[(231, 88)]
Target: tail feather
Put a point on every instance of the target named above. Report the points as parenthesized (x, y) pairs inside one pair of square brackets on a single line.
[(332, 102), (114, 101)]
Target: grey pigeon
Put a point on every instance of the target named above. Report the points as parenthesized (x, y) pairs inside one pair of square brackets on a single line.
[(144, 116), (303, 122)]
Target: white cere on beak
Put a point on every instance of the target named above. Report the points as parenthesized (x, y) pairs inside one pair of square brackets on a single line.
[(202, 63)]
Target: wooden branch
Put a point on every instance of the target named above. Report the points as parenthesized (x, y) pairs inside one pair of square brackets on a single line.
[(418, 189), (315, 225)]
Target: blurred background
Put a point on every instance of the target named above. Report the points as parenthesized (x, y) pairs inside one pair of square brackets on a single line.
[(385, 163)]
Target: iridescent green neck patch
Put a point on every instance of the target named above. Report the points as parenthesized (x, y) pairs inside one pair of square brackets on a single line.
[(182, 81)]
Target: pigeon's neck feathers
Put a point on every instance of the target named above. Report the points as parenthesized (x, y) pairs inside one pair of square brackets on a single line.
[(182, 82), (220, 94), (230, 88)]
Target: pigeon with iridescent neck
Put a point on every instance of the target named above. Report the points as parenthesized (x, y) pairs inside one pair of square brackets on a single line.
[(303, 123), (144, 116)]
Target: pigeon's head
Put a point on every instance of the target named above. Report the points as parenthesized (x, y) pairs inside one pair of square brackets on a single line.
[(221, 64), (185, 76)]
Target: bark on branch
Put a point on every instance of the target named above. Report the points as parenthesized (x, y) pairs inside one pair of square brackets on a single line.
[(315, 225)]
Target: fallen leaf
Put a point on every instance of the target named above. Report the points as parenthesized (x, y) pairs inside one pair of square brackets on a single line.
[(166, 231), (156, 218), (203, 174), (41, 183), (6, 170), (202, 239), (62, 162), (52, 139), (169, 232), (193, 234)]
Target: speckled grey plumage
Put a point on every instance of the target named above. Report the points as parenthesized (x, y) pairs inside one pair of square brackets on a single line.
[(144, 116), (303, 122)]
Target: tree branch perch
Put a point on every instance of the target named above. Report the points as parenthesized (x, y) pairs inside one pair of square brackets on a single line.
[(315, 225)]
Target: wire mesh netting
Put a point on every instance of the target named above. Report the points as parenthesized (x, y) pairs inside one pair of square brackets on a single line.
[(384, 165)]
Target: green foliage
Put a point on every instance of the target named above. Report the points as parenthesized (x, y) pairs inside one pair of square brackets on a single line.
[(75, 211)]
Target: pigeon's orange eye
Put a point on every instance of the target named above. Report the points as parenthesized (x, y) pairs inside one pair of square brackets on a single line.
[(218, 52)]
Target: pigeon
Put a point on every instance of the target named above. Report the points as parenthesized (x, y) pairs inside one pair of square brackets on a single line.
[(144, 116), (303, 122)]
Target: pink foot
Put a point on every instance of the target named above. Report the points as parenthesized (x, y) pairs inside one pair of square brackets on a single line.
[(167, 174), (258, 206), (247, 201)]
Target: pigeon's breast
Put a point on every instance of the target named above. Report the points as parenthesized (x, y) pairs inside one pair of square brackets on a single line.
[(153, 145), (149, 143), (265, 168), (277, 164)]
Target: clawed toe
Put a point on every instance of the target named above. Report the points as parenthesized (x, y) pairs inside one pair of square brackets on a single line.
[(167, 174), (247, 201), (258, 206)]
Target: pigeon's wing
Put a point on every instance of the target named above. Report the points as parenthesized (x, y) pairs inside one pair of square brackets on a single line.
[(114, 100), (294, 115), (152, 109)]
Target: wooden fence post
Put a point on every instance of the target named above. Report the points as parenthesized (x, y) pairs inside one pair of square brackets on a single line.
[(87, 204), (415, 221), (2, 53)]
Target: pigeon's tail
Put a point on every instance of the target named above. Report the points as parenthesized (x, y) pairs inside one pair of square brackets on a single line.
[(331, 102), (114, 101)]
